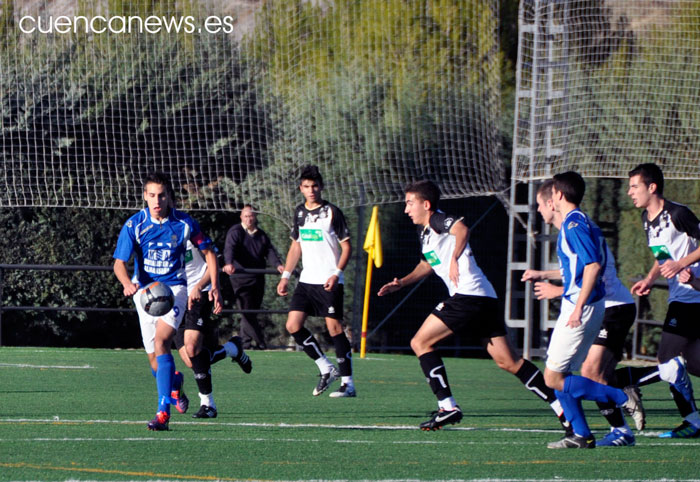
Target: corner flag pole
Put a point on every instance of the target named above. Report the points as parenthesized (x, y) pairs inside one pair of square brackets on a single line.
[(373, 247)]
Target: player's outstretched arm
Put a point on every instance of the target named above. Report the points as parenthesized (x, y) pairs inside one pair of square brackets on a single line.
[(293, 256), (535, 275), (643, 286), (122, 274), (213, 270), (422, 270), (686, 276), (345, 253), (671, 268), (590, 275), (547, 291)]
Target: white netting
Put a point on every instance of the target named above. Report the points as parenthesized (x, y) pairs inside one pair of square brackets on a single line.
[(607, 84), (376, 92)]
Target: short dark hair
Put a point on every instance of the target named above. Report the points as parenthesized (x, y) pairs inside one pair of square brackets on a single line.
[(311, 173), (545, 189), (571, 185), (158, 177), (650, 174), (425, 191)]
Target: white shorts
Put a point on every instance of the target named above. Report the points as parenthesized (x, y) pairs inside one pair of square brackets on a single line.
[(568, 346), (173, 317)]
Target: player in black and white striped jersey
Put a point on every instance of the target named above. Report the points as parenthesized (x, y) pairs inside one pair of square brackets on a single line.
[(320, 237), (472, 307)]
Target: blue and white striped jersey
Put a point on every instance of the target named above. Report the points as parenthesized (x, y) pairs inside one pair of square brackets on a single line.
[(159, 247), (579, 244)]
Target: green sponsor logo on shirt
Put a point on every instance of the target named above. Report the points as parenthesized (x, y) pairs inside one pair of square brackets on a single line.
[(661, 252), (188, 256), (311, 234), (432, 258)]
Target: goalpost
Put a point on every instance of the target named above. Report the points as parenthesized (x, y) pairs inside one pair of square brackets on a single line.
[(231, 98), (602, 86)]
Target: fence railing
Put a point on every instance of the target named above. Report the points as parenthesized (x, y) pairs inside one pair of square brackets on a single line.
[(51, 267)]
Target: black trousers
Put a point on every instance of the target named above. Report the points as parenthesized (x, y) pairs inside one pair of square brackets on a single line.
[(249, 293)]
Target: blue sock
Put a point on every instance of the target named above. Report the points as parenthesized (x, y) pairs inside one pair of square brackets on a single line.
[(584, 388), (164, 381), (574, 413), (153, 372)]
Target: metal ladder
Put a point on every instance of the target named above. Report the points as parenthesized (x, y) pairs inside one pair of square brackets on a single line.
[(539, 112)]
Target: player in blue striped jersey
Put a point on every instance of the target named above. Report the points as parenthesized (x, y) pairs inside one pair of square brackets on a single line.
[(581, 261), (620, 312), (157, 238)]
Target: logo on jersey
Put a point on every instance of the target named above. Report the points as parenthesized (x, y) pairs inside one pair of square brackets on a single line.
[(129, 224), (432, 258), (311, 234), (661, 253), (571, 225), (448, 223)]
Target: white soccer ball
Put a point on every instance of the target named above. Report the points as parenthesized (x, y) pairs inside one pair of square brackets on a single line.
[(157, 299)]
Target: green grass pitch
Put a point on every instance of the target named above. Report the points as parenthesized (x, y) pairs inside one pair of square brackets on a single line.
[(80, 414)]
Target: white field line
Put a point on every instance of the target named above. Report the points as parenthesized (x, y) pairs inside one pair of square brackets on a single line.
[(58, 367), (58, 421)]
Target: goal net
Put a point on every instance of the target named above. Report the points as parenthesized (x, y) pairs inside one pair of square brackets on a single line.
[(604, 85), (231, 98)]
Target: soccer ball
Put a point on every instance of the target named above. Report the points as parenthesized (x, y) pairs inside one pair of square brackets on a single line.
[(157, 299)]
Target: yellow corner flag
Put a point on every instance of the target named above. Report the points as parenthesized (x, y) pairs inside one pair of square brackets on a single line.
[(373, 246), (373, 240)]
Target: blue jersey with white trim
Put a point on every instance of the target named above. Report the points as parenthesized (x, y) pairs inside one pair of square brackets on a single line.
[(159, 247), (579, 244)]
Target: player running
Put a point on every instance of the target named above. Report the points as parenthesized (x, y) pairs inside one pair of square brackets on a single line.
[(195, 335), (157, 238), (673, 235), (321, 238), (581, 260), (471, 308), (620, 313)]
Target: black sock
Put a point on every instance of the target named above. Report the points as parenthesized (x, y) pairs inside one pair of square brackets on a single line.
[(308, 343), (435, 374), (343, 353), (201, 366), (532, 378), (612, 413), (639, 376), (217, 355)]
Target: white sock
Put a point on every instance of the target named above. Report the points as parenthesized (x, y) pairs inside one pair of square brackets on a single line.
[(207, 400), (556, 406), (448, 403), (231, 349), (324, 365)]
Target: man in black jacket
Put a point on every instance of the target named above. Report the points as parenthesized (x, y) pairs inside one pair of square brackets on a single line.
[(248, 247)]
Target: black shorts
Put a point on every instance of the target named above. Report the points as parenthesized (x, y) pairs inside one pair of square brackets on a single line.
[(683, 319), (198, 318), (472, 315), (316, 301), (616, 325)]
